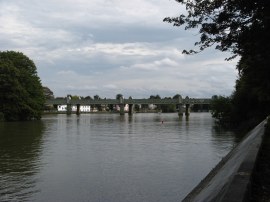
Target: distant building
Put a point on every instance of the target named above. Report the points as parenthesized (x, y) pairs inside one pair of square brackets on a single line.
[(62, 108), (83, 108)]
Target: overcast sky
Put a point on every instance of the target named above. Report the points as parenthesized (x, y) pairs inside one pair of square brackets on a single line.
[(106, 47)]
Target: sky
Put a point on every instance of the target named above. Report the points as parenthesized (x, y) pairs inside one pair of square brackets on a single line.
[(107, 47)]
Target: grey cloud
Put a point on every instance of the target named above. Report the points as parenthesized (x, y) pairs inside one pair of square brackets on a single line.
[(107, 47)]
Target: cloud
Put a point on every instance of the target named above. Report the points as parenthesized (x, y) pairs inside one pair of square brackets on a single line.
[(107, 47), (110, 86)]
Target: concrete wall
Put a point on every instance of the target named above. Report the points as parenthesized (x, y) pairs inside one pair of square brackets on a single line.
[(229, 181)]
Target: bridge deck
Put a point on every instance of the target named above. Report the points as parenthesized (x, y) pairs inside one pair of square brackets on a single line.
[(128, 101)]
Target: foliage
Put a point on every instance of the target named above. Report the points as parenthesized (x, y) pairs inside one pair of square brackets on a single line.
[(168, 108), (177, 96), (137, 108), (96, 97), (118, 96), (88, 98), (21, 92), (224, 24), (98, 106), (110, 107), (221, 108), (75, 97), (200, 107), (154, 97), (48, 94), (243, 28)]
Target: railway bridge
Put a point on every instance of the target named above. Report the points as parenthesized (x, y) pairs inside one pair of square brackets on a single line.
[(179, 102)]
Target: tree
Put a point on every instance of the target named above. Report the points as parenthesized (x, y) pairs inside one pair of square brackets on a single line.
[(76, 97), (156, 97), (137, 107), (88, 98), (221, 108), (243, 28), (96, 97), (118, 96), (21, 92), (177, 96), (48, 94), (168, 108), (98, 106), (224, 24)]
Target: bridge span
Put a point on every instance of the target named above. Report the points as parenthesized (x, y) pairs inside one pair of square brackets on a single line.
[(179, 102)]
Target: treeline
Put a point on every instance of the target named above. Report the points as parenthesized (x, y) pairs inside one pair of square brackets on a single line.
[(250, 102)]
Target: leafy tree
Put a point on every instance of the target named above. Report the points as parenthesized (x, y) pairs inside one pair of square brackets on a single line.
[(118, 96), (168, 108), (98, 106), (110, 107), (177, 96), (88, 98), (21, 92), (156, 97), (137, 108), (48, 94), (224, 24), (200, 107), (96, 97), (242, 28), (221, 108), (75, 97)]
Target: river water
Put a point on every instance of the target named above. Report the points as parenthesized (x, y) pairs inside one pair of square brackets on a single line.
[(108, 157)]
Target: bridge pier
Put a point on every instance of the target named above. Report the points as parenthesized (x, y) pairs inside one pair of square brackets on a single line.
[(130, 109), (180, 110), (69, 109), (187, 112), (122, 110), (78, 109)]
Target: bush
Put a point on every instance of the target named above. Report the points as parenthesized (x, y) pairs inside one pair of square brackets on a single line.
[(2, 117)]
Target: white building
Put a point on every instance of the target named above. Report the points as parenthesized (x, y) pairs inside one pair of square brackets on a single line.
[(83, 108), (62, 108)]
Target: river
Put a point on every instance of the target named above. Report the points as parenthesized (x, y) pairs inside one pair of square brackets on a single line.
[(147, 157)]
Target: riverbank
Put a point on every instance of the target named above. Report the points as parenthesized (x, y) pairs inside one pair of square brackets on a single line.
[(260, 189), (232, 178)]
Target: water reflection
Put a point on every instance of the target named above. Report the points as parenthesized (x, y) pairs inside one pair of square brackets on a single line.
[(223, 140), (20, 145), (108, 157)]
